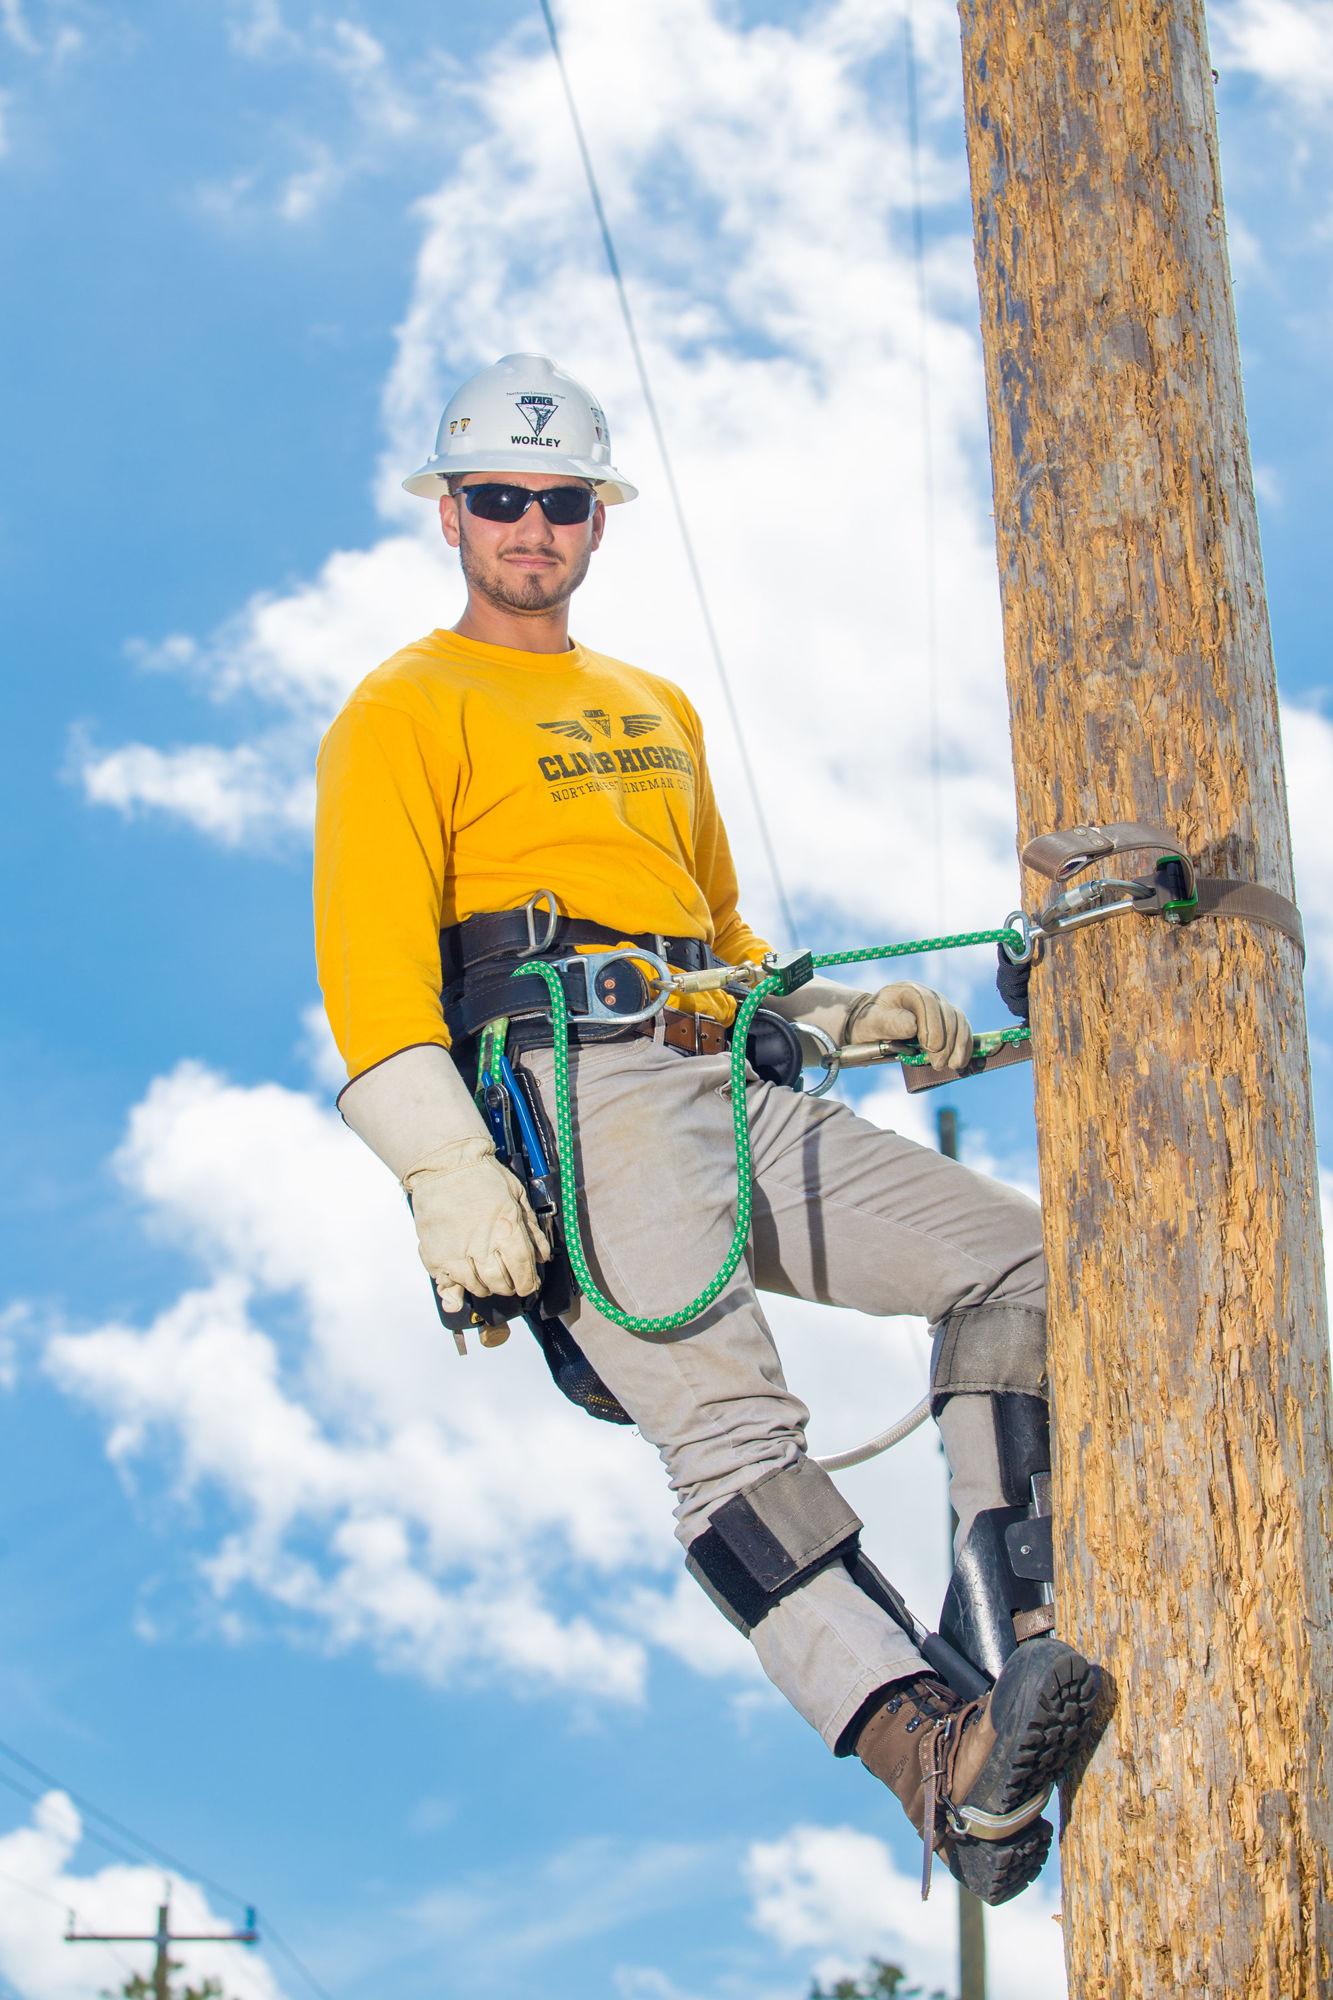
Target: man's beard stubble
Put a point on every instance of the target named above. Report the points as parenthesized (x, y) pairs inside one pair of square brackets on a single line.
[(534, 592)]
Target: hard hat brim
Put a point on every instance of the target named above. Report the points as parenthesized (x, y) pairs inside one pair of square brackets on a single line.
[(433, 477)]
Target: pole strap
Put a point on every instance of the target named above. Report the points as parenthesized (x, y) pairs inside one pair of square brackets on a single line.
[(1220, 896), (1174, 891)]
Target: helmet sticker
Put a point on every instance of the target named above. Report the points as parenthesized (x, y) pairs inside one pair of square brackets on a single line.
[(537, 410)]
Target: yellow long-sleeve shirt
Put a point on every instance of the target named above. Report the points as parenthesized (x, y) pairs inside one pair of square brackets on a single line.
[(461, 777)]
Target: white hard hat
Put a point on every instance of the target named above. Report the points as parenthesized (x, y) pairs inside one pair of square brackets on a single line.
[(523, 415)]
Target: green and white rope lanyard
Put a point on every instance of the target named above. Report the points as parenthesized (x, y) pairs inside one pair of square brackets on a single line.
[(564, 1117)]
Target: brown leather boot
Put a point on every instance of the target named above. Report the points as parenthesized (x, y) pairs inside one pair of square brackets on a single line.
[(973, 1776)]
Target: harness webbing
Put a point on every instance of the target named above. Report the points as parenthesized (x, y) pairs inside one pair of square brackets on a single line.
[(564, 1118)]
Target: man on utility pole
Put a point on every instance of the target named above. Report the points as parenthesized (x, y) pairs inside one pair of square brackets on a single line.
[(1188, 1345), (472, 862)]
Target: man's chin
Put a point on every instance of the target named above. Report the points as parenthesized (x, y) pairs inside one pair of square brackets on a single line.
[(529, 593)]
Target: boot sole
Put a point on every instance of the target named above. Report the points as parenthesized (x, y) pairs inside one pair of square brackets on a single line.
[(997, 1870), (1044, 1712)]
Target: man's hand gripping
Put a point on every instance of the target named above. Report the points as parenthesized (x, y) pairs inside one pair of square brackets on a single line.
[(903, 1012), (907, 1012)]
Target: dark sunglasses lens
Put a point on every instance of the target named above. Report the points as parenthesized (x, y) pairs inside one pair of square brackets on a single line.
[(564, 505), (497, 503)]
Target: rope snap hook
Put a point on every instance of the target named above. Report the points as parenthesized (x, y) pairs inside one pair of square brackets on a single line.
[(1031, 933)]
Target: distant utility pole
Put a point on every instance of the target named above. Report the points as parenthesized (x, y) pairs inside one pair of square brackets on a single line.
[(1189, 1357), (971, 1909), (163, 1937)]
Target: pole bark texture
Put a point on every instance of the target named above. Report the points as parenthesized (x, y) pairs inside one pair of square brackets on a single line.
[(1189, 1349)]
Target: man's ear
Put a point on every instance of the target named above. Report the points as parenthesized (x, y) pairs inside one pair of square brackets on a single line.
[(449, 519), (598, 524)]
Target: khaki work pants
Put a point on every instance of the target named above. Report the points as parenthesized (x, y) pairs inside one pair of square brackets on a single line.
[(845, 1214)]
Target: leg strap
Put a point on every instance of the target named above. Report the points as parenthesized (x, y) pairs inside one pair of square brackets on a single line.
[(767, 1541), (992, 1350)]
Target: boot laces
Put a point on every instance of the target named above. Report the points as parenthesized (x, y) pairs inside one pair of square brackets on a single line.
[(931, 1700)]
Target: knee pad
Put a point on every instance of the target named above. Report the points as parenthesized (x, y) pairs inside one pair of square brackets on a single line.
[(994, 1350), (764, 1543), (999, 1352)]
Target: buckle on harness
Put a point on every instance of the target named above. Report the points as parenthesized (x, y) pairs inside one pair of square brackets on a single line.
[(536, 945), (600, 997)]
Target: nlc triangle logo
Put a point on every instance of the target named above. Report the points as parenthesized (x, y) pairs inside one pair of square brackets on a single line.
[(536, 411)]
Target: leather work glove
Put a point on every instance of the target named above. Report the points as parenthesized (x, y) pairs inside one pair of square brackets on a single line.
[(475, 1229), (904, 1012)]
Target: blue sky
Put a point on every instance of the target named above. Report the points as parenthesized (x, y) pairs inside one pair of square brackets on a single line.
[(393, 1645)]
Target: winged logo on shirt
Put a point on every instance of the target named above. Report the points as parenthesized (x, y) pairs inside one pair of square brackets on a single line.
[(633, 725)]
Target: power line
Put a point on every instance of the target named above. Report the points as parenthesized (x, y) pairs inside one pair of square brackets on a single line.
[(89, 1833), (696, 575), (86, 1806), (292, 1959)]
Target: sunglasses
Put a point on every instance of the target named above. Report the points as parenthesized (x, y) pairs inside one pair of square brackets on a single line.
[(562, 505)]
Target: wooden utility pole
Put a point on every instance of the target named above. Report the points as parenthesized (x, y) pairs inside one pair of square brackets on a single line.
[(1189, 1352), (164, 1937)]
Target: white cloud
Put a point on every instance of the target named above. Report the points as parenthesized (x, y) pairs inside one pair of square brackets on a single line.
[(301, 655), (381, 1489), (234, 796), (839, 1893), (1288, 44), (367, 1487), (39, 1890)]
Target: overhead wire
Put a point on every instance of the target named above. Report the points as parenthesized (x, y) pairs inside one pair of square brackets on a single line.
[(86, 1806), (271, 1937), (90, 1833), (929, 570), (687, 540)]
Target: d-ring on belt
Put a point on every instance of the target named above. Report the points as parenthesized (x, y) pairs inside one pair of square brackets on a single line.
[(1174, 890)]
